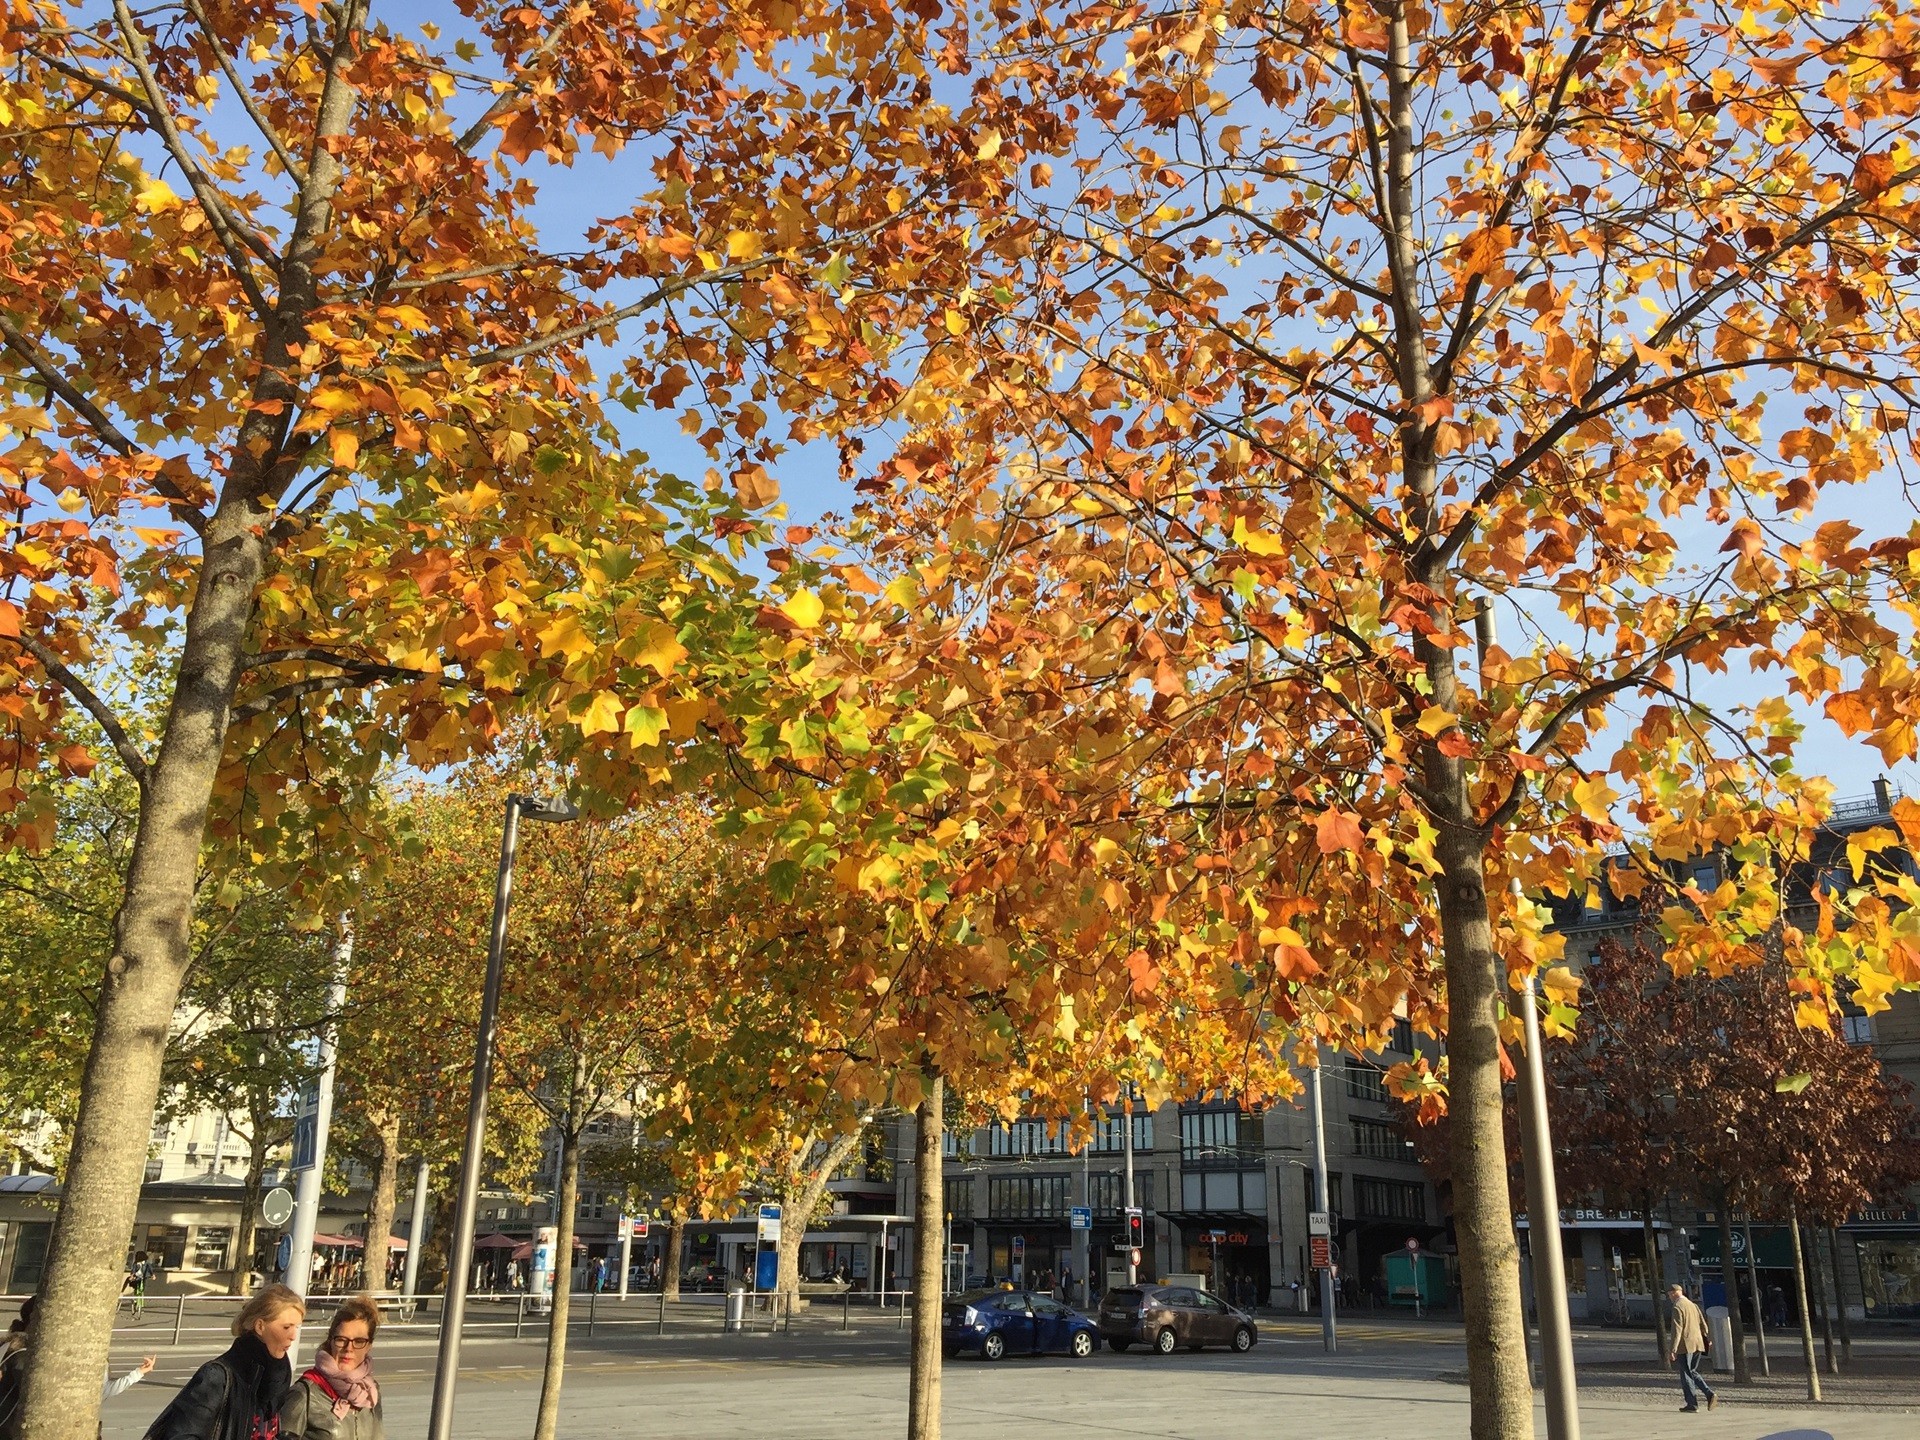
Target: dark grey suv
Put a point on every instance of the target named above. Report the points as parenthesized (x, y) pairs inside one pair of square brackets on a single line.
[(1169, 1316)]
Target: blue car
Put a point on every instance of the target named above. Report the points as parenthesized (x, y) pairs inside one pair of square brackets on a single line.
[(996, 1323)]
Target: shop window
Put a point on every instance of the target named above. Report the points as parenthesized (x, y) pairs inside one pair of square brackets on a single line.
[(210, 1245), (1889, 1278), (30, 1256)]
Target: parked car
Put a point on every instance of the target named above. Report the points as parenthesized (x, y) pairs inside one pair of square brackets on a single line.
[(996, 1323), (1168, 1316), (704, 1277)]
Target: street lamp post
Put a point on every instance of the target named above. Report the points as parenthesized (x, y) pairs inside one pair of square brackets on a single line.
[(460, 1244)]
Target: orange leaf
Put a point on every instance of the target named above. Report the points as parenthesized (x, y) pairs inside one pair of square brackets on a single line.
[(1336, 830)]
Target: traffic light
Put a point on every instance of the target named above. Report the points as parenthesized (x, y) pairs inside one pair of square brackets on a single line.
[(1136, 1230)]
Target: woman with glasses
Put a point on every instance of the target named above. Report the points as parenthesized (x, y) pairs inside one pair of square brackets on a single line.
[(338, 1399)]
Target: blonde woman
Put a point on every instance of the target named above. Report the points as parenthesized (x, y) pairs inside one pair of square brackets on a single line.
[(338, 1399), (238, 1395)]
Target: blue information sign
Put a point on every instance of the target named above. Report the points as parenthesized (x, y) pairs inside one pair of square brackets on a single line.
[(1080, 1217)]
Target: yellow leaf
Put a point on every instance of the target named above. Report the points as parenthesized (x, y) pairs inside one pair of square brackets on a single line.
[(155, 196), (565, 637), (803, 607), (989, 146), (744, 245), (1435, 721), (602, 715), (1595, 798), (345, 447), (1562, 985), (654, 643), (644, 724), (71, 501), (1256, 542)]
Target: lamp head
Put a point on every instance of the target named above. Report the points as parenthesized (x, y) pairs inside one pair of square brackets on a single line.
[(554, 809)]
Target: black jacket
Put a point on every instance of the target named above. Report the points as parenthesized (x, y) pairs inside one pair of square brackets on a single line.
[(224, 1395)]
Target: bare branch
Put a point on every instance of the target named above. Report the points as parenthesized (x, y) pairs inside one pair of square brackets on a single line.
[(260, 122), (90, 700)]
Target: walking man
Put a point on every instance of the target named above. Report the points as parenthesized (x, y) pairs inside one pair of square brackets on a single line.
[(1691, 1344)]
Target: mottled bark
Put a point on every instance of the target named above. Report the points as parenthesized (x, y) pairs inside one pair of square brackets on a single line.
[(805, 1187), (1742, 1373), (923, 1381), (381, 1203), (546, 1424)]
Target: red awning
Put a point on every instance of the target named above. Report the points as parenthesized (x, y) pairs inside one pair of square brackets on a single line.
[(495, 1241), (346, 1242)]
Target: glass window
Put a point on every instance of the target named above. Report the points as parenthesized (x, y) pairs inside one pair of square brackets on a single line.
[(210, 1244), (1046, 1305), (1858, 1029), (959, 1194), (1377, 1140), (1389, 1199), (30, 1256), (1208, 1131), (1365, 1082), (1402, 1037), (1889, 1278), (1027, 1197), (1110, 1133)]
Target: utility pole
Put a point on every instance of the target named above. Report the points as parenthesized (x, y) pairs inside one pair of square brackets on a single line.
[(1083, 1251), (306, 1197), (1133, 1270), (1543, 1192), (1329, 1331)]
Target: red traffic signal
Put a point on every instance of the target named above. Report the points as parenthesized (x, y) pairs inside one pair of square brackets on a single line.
[(1136, 1230)]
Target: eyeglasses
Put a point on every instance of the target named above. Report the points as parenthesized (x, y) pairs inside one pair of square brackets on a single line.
[(350, 1342)]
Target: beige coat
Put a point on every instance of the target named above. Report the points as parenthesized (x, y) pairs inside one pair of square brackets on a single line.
[(1690, 1328), (308, 1415)]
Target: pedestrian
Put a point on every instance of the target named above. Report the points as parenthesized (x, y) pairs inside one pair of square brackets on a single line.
[(134, 1283), (338, 1399), (1691, 1343), (13, 1367), (238, 1395), (1776, 1307)]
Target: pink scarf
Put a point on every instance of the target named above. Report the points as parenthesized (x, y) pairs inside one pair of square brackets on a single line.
[(354, 1388)]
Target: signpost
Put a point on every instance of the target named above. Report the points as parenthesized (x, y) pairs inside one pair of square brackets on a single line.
[(769, 1226), (1320, 1252), (1413, 1249), (1080, 1217)]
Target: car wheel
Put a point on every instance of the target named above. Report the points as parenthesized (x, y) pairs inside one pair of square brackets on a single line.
[(1118, 1344), (993, 1347), (1082, 1344), (1165, 1341), (1243, 1339)]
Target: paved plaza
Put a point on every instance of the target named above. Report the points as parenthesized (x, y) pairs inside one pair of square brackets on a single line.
[(1390, 1381)]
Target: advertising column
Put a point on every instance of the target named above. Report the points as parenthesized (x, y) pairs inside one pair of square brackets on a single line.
[(540, 1282)]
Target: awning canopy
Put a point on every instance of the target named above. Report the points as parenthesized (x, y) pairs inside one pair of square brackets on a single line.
[(495, 1241)]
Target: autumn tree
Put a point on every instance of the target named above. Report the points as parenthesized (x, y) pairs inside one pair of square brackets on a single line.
[(1316, 332), (302, 433)]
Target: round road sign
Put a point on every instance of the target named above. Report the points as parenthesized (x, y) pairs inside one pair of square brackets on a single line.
[(1413, 1246), (276, 1206)]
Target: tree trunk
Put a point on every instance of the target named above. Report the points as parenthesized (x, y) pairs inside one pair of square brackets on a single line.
[(929, 1196), (670, 1257), (1840, 1298), (243, 1233), (1731, 1277), (546, 1424), (380, 1205), (1820, 1299), (1655, 1287), (1806, 1311), (808, 1184), (1498, 1382)]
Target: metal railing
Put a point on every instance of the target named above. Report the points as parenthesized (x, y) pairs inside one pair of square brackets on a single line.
[(197, 1320)]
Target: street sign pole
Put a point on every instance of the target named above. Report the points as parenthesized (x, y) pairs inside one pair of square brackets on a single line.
[(1329, 1336), (416, 1231), (626, 1250)]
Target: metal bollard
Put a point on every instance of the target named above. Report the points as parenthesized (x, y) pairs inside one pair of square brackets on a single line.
[(593, 1301), (661, 1329), (179, 1318), (845, 1299), (520, 1317), (903, 1311)]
